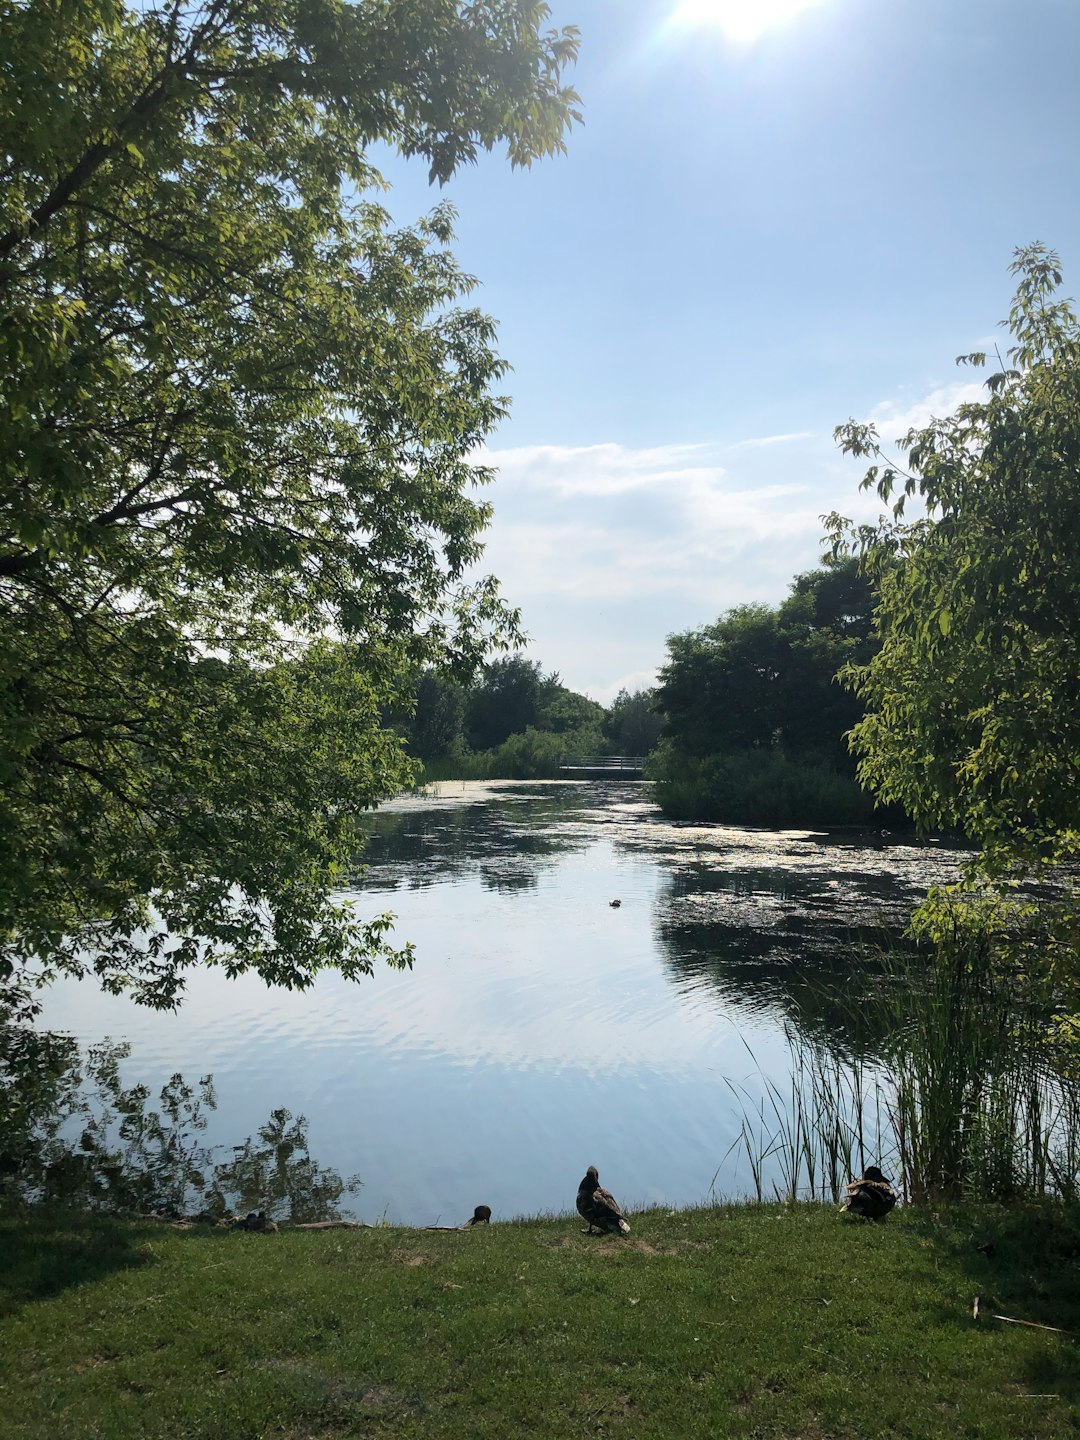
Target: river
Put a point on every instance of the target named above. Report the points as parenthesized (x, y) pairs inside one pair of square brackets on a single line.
[(544, 1028)]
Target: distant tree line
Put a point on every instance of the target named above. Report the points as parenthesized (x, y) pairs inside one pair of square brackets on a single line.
[(754, 718), (748, 723), (514, 721)]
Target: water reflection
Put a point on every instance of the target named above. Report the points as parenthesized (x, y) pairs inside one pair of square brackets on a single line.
[(507, 836), (542, 1030), (794, 948)]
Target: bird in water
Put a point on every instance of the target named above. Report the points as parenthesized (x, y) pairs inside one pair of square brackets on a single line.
[(871, 1196), (599, 1207), (614, 904), (480, 1216)]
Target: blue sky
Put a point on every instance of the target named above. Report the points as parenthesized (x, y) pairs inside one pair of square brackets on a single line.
[(747, 243)]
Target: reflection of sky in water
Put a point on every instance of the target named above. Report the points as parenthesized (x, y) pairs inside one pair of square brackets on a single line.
[(541, 1030)]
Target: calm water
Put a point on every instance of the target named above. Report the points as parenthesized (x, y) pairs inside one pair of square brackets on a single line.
[(543, 1030)]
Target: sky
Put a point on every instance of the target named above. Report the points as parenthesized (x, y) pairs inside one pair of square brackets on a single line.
[(777, 214)]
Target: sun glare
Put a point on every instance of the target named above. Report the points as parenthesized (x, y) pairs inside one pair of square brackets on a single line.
[(741, 21)]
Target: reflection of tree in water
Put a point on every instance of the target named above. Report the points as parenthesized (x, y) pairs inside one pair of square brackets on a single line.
[(506, 881), (507, 838), (789, 946)]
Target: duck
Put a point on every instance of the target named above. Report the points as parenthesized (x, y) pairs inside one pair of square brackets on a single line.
[(871, 1196), (599, 1207), (614, 904), (260, 1223), (480, 1216)]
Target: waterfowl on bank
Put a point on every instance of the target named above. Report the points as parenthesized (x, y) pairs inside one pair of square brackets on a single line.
[(599, 1207), (260, 1223), (480, 1216), (871, 1196)]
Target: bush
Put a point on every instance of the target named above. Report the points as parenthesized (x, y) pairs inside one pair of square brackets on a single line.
[(756, 787)]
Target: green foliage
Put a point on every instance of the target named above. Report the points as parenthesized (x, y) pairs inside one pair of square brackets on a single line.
[(436, 727), (971, 716), (756, 787), (504, 701), (960, 1098), (762, 678), (753, 719), (512, 722), (632, 724), (74, 1134), (532, 755), (237, 415)]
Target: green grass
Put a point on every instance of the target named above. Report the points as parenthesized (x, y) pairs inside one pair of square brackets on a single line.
[(748, 1321)]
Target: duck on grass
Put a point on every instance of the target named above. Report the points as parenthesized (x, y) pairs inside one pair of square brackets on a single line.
[(599, 1207)]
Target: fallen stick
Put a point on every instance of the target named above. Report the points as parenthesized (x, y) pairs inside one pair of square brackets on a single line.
[(1029, 1324), (333, 1225), (1034, 1325)]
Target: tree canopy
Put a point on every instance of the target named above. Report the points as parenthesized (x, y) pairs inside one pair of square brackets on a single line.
[(238, 410), (754, 721), (971, 702), (763, 677), (479, 726)]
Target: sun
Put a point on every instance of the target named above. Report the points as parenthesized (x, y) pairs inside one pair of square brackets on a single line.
[(741, 21)]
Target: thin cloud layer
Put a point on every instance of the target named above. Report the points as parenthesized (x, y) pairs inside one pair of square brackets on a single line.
[(894, 418), (608, 548)]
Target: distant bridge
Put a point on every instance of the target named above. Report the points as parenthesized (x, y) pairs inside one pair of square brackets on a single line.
[(604, 767)]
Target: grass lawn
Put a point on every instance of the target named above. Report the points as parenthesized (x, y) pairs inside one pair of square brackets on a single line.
[(736, 1321)]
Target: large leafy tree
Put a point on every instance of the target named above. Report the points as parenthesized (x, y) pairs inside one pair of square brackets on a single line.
[(632, 724), (763, 678), (505, 701), (236, 417), (972, 713)]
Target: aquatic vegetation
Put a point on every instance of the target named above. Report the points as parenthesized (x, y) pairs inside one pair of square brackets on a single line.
[(965, 1099)]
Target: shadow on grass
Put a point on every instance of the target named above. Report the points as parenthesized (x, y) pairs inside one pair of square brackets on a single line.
[(1022, 1262), (43, 1253)]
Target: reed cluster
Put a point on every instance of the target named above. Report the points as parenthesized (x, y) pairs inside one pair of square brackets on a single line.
[(758, 787), (964, 1099)]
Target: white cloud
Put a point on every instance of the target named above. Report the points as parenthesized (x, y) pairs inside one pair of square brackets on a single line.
[(760, 442), (632, 681), (895, 417), (608, 549), (600, 470)]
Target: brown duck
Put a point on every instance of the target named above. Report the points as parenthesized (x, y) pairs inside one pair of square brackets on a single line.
[(599, 1207), (260, 1223), (871, 1196)]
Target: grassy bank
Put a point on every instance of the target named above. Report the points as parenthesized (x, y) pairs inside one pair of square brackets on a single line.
[(749, 1321)]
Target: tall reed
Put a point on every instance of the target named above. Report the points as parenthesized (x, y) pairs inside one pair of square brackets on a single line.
[(961, 1099)]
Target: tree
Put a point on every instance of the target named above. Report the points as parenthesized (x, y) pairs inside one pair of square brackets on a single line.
[(632, 725), (754, 719), (826, 622), (570, 714), (437, 724), (764, 678), (237, 418), (505, 701), (972, 717), (715, 689)]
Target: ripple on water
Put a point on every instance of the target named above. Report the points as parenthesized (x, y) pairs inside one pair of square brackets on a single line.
[(541, 1030)]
